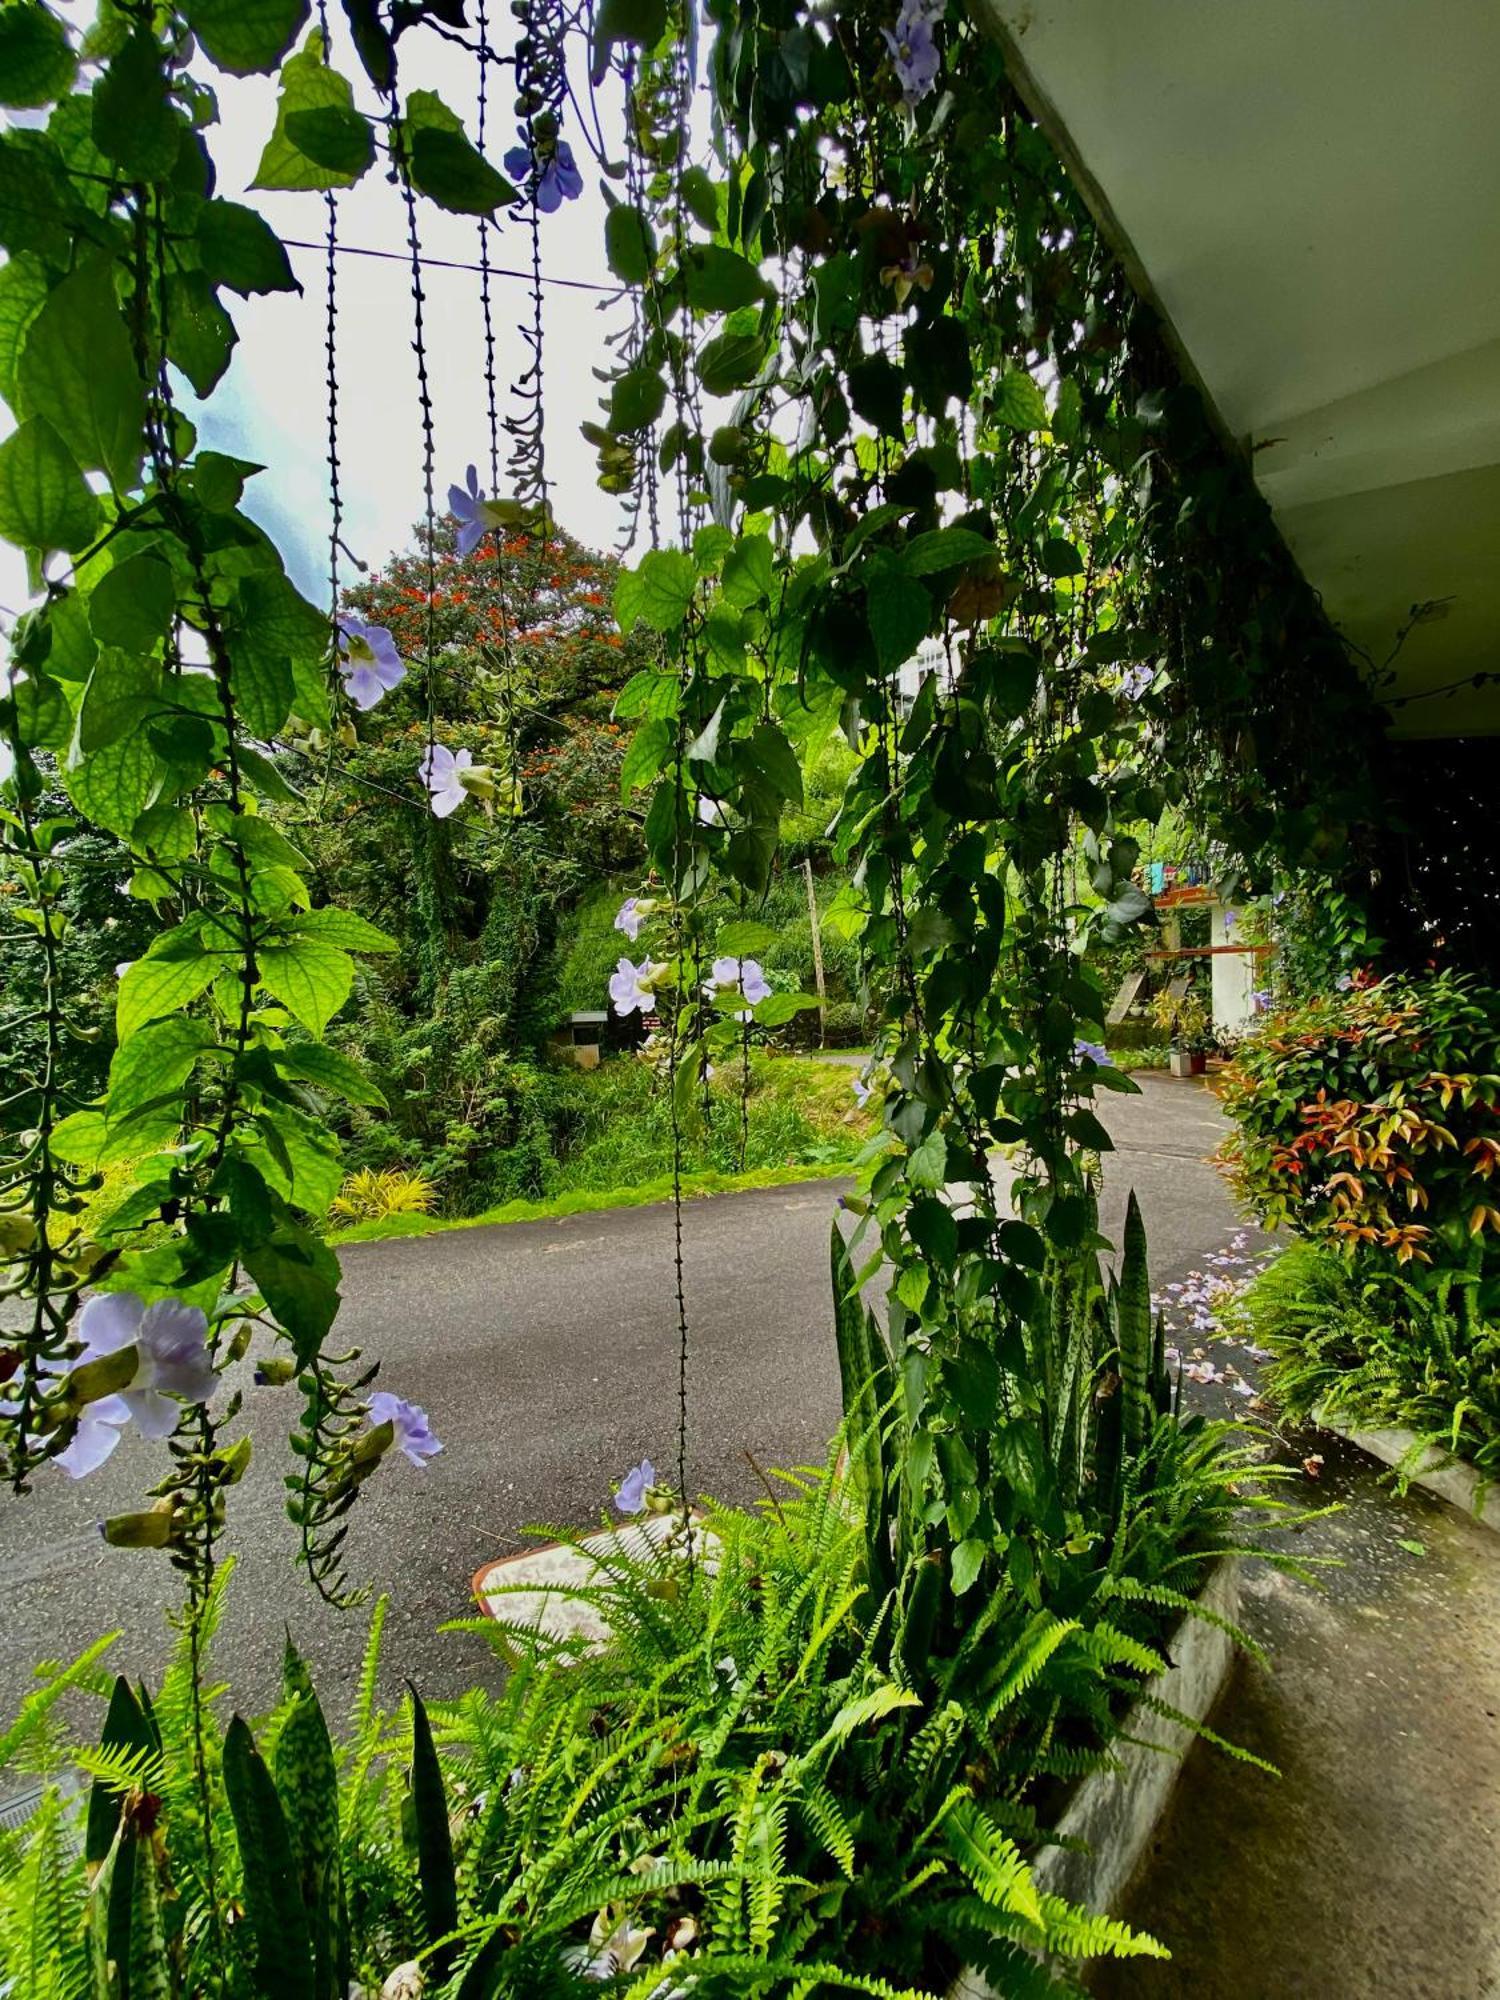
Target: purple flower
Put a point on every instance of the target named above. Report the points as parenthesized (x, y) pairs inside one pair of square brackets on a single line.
[(441, 771), (123, 967), (630, 987), (1231, 918), (1260, 1000), (173, 1367), (630, 1494), (861, 1091), (409, 1422), (738, 979), (914, 51), (551, 161), (1095, 1051), (629, 918), (1137, 681), (369, 664), (1344, 981), (470, 508)]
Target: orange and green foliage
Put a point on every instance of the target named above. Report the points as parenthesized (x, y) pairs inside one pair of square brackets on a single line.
[(1371, 1118)]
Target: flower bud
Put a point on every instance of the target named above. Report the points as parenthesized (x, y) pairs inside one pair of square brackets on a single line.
[(371, 1447), (275, 1370), (17, 1233), (239, 1346), (235, 1460), (151, 1530), (348, 736), (106, 1376)]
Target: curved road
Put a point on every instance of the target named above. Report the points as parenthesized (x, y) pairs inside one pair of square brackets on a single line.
[(545, 1354)]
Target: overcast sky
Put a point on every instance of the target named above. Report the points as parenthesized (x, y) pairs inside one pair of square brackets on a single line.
[(271, 405)]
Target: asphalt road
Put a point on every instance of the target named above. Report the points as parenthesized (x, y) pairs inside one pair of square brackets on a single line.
[(546, 1357)]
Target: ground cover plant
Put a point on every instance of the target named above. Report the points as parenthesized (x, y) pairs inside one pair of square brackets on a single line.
[(1373, 1351), (880, 396)]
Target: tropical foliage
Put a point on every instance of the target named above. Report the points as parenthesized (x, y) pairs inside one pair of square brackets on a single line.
[(1367, 1118)]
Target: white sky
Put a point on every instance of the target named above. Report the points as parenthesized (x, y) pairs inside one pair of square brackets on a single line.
[(271, 407)]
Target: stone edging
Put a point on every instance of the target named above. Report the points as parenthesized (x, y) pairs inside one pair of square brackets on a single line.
[(1117, 1812), (1451, 1479)]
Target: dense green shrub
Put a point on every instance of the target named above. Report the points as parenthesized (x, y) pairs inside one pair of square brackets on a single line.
[(1368, 1118), (1377, 1351)]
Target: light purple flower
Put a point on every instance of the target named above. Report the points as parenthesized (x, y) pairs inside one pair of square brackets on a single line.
[(1202, 1371), (557, 176), (409, 1422), (441, 771), (629, 918), (738, 979), (1244, 1388), (470, 508), (173, 1367), (369, 664), (630, 987), (861, 1091), (710, 812), (1260, 1000), (1095, 1051), (630, 1494), (1231, 918), (1137, 681), (914, 51), (123, 967), (1344, 981)]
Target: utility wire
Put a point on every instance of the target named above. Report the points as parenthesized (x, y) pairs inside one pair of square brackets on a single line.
[(450, 264)]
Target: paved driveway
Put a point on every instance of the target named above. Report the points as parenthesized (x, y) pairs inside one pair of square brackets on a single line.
[(546, 1355)]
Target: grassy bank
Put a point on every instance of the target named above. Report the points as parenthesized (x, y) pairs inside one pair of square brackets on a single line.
[(591, 1201)]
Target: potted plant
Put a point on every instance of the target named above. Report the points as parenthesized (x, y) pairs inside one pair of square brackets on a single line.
[(1187, 1024)]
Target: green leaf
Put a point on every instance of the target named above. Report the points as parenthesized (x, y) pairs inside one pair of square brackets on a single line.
[(435, 1869), (944, 548), (245, 36), (276, 618), (1059, 558), (44, 501), (307, 84), (730, 361), (153, 1063), (302, 1160), (134, 123), (719, 280), (327, 1069), (776, 761), (900, 613), (261, 684), (265, 777), (444, 165), (219, 480), (639, 22), (927, 1164), (307, 1783), (629, 244), (745, 938), (268, 1868), (748, 571), (200, 335), (877, 391), (701, 197), (665, 582), (1067, 414), (343, 928), (23, 293), (1020, 403), (309, 977), (298, 1277), (779, 1008), (78, 371), (649, 748), (968, 1560), (131, 605), (636, 399), (36, 203), (36, 59), (171, 975), (240, 249), (335, 136)]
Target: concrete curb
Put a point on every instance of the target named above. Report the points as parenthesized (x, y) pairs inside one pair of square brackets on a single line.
[(1451, 1479), (1117, 1812)]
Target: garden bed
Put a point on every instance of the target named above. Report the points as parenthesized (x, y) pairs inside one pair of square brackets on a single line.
[(1427, 1466), (1114, 1814)]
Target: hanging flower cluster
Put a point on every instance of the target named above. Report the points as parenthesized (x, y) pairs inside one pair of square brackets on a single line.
[(544, 162)]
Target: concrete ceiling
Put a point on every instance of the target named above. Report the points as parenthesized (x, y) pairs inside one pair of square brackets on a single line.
[(1310, 192)]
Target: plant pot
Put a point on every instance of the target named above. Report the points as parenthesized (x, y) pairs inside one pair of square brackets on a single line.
[(1189, 1062)]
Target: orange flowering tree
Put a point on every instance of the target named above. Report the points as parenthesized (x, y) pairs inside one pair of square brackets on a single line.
[(1370, 1117)]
